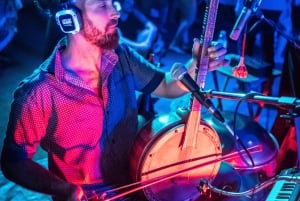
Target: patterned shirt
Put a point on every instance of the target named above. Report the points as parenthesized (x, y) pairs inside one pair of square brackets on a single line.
[(87, 136)]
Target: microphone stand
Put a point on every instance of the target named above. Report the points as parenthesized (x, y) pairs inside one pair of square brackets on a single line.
[(292, 104), (286, 102), (273, 25)]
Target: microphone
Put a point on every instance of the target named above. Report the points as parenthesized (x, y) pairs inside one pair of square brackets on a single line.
[(250, 6), (180, 73)]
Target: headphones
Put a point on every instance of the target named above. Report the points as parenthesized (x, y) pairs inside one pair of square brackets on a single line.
[(68, 19)]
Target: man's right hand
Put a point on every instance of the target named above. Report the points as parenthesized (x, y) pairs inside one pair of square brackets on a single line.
[(76, 194)]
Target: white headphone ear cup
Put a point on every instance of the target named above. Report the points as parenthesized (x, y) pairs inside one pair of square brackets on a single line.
[(68, 20)]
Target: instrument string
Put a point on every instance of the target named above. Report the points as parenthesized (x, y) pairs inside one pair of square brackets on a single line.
[(149, 182)]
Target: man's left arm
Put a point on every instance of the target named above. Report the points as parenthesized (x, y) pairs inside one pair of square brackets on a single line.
[(171, 88)]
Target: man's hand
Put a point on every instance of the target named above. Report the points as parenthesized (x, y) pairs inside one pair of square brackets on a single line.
[(76, 195), (71, 193), (216, 53)]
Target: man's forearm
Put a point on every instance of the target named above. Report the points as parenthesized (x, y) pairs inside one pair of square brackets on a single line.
[(33, 176)]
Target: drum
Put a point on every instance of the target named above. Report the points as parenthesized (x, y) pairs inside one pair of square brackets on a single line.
[(157, 154)]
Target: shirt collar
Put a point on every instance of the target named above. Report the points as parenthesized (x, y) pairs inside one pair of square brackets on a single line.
[(54, 65)]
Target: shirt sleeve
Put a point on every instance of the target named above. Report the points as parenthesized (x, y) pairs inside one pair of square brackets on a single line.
[(146, 76), (25, 127)]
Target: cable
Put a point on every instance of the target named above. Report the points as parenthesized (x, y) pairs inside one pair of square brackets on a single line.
[(251, 94)]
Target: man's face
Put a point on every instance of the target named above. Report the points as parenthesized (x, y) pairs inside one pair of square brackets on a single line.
[(100, 20)]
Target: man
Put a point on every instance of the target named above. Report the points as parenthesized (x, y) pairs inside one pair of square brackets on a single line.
[(80, 107)]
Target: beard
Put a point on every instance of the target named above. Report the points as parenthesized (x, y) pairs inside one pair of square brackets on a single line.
[(96, 37)]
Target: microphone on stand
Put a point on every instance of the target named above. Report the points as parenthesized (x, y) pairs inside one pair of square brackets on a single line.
[(250, 7), (240, 71), (180, 73)]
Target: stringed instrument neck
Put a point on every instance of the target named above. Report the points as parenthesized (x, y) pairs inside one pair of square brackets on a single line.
[(206, 40), (201, 71)]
